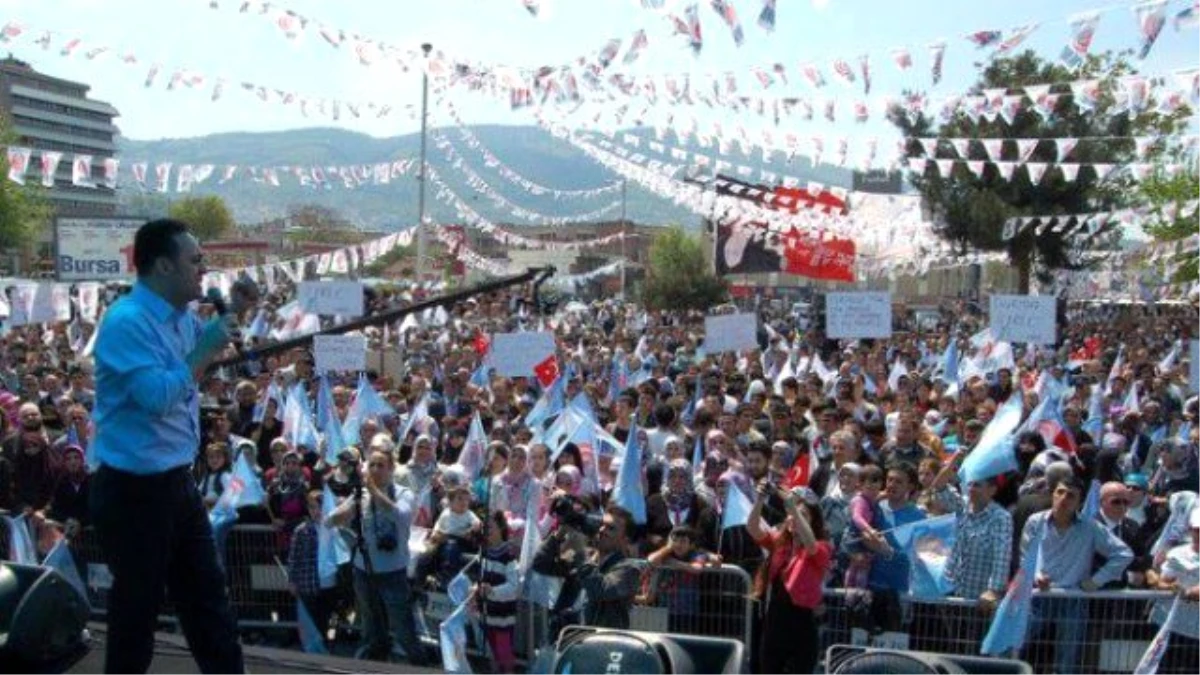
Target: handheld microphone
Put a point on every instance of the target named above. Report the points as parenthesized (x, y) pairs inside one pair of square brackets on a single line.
[(214, 298)]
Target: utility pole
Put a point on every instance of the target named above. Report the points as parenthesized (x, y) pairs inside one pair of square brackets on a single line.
[(624, 238), (421, 228)]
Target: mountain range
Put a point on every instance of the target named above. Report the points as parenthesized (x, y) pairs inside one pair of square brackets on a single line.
[(526, 150)]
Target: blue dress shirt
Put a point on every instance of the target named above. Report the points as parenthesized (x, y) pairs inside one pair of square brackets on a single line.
[(147, 404)]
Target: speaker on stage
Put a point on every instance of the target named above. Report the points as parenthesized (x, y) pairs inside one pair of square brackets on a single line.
[(42, 617), (582, 649), (850, 660)]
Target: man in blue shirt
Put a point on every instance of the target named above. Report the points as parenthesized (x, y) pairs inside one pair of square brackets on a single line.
[(154, 530), (890, 566)]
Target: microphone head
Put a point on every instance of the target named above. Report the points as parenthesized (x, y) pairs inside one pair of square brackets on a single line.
[(213, 297)]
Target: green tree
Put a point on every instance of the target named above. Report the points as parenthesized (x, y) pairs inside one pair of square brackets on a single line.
[(679, 275), (971, 211), (24, 209), (207, 214), (1165, 195), (316, 223)]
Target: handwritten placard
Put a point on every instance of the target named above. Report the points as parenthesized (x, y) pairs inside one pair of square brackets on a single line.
[(1024, 318), (332, 298), (340, 352), (730, 333), (858, 315), (516, 354), (1194, 367)]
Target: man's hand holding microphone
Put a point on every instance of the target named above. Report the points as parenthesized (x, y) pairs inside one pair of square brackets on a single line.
[(217, 333)]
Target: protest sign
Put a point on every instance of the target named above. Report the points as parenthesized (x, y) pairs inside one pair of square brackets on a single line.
[(332, 298), (1023, 318), (858, 315), (517, 354), (340, 352), (731, 332)]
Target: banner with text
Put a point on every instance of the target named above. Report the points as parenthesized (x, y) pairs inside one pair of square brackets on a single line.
[(95, 249), (858, 315), (1024, 318)]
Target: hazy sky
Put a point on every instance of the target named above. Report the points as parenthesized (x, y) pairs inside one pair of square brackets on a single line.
[(248, 47)]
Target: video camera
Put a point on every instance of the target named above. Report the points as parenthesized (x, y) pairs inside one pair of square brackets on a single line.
[(573, 513)]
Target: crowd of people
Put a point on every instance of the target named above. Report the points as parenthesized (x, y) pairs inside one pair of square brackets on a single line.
[(832, 444)]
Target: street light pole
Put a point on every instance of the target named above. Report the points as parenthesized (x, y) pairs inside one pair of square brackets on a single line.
[(624, 238), (421, 229)]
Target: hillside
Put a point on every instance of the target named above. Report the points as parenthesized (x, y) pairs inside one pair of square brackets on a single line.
[(527, 150)]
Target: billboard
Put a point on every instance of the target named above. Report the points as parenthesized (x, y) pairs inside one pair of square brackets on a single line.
[(749, 248), (94, 249)]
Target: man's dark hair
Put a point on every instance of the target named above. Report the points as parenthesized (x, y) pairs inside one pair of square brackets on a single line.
[(761, 447), (1071, 482), (664, 415), (626, 518), (154, 240)]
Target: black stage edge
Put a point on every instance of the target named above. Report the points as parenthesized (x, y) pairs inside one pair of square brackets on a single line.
[(171, 655)]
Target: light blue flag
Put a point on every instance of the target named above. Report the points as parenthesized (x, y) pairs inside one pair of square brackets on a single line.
[(737, 508), (549, 404), (335, 442), (531, 538), (627, 493), (60, 559), (698, 454), (222, 517), (419, 412), (482, 376), (994, 454), (560, 432), (459, 587), (1094, 425), (619, 379), (1148, 664), (473, 456), (949, 373), (689, 412), (928, 549), (1011, 622), (453, 641), (367, 404), (1091, 505), (310, 636), (326, 410), (332, 550), (247, 489), (583, 405)]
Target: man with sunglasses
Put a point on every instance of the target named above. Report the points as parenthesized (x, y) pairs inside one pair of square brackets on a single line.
[(1114, 516)]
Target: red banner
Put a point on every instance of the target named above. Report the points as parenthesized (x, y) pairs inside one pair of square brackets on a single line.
[(828, 259)]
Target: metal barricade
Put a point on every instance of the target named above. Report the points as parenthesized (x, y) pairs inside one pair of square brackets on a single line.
[(713, 601), (1102, 631)]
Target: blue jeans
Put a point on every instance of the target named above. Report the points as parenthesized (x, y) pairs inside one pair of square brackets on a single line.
[(386, 592), (1069, 618)]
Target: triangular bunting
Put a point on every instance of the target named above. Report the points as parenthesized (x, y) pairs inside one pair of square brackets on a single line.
[(1006, 169), (1025, 148), (1064, 146), (1036, 171)]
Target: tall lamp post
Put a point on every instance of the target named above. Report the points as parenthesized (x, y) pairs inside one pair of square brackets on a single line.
[(421, 229)]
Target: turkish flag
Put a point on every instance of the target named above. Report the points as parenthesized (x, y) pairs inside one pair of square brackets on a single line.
[(547, 371), (482, 344)]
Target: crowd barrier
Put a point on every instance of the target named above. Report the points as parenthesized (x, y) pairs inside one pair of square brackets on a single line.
[(1103, 631)]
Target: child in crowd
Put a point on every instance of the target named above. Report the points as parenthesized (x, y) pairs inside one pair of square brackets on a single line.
[(678, 585), (495, 593), (865, 516), (936, 499), (451, 537)]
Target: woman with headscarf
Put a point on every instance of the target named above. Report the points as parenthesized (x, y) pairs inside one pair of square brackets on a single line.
[(1177, 469), (677, 504), (733, 544), (419, 475), (514, 490)]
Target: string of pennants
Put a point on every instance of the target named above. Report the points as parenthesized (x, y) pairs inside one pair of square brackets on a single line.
[(562, 82), (470, 217), (1095, 222), (1144, 146), (182, 78), (482, 187), (109, 172), (491, 161)]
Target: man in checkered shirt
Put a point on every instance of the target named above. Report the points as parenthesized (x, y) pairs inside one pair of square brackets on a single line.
[(979, 561)]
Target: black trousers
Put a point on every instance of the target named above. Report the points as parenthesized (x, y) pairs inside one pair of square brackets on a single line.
[(155, 534), (790, 643)]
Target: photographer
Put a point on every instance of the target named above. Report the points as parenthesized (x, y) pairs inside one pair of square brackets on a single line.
[(607, 576), (384, 514)]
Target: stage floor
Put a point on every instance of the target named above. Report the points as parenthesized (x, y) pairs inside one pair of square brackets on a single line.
[(171, 655)]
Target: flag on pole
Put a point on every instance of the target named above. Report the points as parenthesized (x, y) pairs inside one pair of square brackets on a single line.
[(474, 452), (737, 508), (1011, 622), (453, 641), (1148, 664), (60, 559), (994, 455), (311, 640), (627, 493)]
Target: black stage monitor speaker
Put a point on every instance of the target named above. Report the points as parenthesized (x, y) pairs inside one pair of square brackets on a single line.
[(42, 617), (850, 660), (583, 649)]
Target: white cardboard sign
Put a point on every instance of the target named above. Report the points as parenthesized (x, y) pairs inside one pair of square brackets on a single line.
[(516, 354), (1024, 318), (332, 298), (40, 303), (340, 352), (730, 332), (858, 315)]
